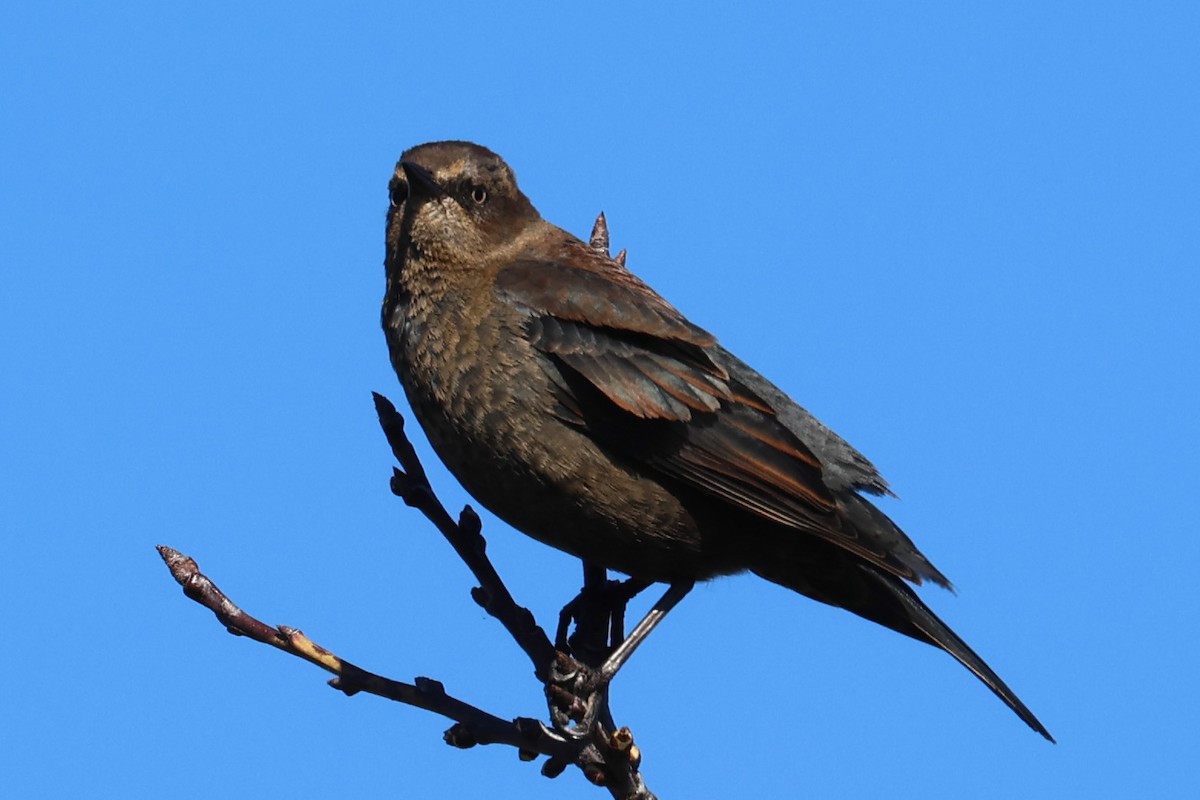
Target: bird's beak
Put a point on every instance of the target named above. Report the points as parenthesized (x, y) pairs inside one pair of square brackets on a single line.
[(420, 180)]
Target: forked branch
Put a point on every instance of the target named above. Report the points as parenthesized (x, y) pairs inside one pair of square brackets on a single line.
[(582, 732)]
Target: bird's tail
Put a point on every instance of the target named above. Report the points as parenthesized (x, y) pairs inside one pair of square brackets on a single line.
[(930, 629), (886, 599)]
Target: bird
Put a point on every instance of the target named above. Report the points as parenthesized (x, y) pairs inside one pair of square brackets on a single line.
[(579, 406)]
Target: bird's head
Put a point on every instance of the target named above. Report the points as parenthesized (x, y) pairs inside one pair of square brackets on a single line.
[(453, 202)]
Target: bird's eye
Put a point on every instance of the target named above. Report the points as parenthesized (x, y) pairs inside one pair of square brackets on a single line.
[(479, 195), (397, 192)]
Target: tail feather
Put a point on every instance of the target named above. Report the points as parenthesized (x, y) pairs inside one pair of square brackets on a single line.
[(831, 575), (927, 627)]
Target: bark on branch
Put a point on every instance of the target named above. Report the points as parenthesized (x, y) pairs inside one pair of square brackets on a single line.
[(582, 731)]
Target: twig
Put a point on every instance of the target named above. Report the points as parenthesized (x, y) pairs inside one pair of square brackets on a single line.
[(411, 485), (602, 762), (607, 755), (474, 726)]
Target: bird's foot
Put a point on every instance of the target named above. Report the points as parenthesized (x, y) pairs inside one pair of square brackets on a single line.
[(577, 696), (577, 691), (598, 612)]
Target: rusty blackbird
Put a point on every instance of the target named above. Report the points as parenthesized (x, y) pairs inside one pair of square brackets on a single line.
[(583, 409)]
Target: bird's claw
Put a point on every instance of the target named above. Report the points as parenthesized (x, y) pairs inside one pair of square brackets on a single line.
[(576, 696)]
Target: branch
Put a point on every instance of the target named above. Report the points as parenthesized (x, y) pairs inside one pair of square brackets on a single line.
[(474, 726), (411, 485), (608, 756), (583, 732), (606, 759)]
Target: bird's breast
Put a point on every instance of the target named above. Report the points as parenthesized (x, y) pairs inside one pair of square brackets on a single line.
[(486, 401)]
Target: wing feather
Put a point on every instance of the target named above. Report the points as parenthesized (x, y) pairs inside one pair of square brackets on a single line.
[(643, 380)]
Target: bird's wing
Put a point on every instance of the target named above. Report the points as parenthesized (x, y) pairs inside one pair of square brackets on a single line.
[(845, 467), (643, 380)]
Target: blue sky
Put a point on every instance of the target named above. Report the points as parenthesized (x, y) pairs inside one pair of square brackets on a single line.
[(965, 235)]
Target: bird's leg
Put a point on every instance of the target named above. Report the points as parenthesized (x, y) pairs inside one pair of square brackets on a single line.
[(572, 711), (675, 592), (598, 612), (619, 593), (577, 691), (591, 611)]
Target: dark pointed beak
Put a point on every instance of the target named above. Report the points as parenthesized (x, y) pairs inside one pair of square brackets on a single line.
[(420, 180)]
